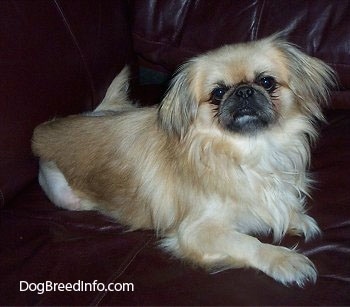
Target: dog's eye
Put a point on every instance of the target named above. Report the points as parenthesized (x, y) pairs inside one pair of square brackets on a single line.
[(218, 93), (268, 83)]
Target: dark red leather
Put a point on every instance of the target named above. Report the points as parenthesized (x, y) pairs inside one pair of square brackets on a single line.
[(58, 57), (166, 33)]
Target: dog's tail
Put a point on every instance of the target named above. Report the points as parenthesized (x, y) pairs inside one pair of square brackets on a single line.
[(116, 97)]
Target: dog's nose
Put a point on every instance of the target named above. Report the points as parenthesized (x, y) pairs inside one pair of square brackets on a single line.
[(244, 91)]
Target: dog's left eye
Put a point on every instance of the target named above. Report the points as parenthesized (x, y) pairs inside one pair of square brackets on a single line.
[(218, 93), (268, 83)]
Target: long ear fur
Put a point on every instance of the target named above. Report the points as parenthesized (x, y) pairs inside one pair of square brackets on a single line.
[(311, 79), (179, 107)]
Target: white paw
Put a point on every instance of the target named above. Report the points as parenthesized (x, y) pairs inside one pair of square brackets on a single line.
[(287, 266)]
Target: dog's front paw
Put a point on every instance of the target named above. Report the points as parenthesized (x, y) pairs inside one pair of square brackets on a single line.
[(304, 225), (287, 266)]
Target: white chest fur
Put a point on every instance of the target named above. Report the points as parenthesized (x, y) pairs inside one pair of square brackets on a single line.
[(259, 182)]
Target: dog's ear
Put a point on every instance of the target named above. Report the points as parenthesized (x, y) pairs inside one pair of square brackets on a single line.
[(179, 106), (311, 79), (117, 93)]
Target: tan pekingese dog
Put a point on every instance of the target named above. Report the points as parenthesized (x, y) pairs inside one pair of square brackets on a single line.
[(223, 158)]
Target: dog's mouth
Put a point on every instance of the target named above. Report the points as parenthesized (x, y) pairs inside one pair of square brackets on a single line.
[(247, 115), (246, 120)]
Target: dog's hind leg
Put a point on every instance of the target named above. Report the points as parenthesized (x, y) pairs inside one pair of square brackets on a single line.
[(57, 188)]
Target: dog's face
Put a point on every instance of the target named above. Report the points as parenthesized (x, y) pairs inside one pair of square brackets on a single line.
[(246, 88), (246, 106)]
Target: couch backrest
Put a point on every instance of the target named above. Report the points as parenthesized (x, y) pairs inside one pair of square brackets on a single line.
[(167, 32), (56, 58)]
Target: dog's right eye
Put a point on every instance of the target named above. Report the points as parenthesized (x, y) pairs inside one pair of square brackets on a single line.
[(218, 93)]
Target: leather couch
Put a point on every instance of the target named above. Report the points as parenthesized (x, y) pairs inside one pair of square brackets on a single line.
[(57, 57)]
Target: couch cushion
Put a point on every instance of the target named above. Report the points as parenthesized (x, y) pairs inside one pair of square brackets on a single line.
[(42, 243)]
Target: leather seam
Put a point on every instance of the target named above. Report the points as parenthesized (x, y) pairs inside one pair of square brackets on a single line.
[(80, 51), (255, 35)]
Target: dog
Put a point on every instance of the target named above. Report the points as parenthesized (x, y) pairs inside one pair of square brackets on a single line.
[(223, 159)]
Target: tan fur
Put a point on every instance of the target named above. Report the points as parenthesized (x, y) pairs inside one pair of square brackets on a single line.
[(203, 189)]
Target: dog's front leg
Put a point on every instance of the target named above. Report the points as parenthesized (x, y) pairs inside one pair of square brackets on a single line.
[(216, 246)]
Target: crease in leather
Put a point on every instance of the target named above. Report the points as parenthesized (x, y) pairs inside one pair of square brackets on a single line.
[(2, 199), (62, 222), (177, 38), (79, 49), (343, 224), (121, 270), (255, 30), (327, 247), (336, 277)]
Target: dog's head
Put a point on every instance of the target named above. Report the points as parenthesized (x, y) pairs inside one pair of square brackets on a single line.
[(246, 88)]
